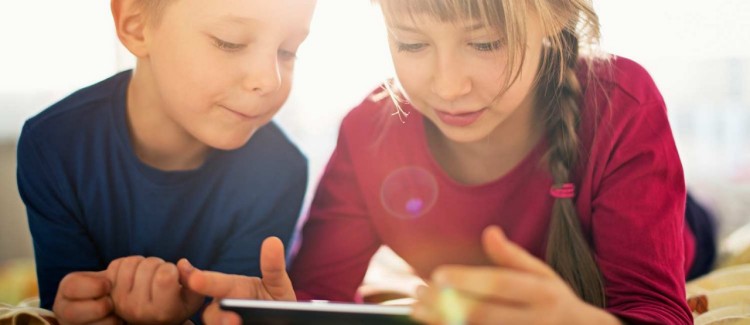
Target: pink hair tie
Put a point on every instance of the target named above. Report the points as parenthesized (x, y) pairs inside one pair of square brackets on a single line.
[(565, 191)]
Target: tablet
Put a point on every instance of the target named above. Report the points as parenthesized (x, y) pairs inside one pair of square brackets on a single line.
[(315, 312)]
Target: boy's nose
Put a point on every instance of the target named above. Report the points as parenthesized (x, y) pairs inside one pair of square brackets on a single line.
[(263, 76), (450, 80)]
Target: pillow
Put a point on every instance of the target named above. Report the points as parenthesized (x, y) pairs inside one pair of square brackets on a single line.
[(722, 296)]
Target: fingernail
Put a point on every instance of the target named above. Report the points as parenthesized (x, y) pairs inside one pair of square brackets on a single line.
[(499, 233), (439, 278), (421, 291), (186, 266)]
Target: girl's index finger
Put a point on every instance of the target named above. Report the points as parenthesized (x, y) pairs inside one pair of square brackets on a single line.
[(503, 252), (491, 283)]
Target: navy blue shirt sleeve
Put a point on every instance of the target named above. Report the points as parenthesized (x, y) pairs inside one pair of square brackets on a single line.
[(61, 242)]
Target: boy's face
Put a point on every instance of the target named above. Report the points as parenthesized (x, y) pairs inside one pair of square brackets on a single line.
[(222, 68)]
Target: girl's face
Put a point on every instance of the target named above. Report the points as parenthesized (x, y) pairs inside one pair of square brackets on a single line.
[(453, 72), (222, 68)]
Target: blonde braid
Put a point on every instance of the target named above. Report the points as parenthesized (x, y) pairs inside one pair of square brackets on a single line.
[(568, 251)]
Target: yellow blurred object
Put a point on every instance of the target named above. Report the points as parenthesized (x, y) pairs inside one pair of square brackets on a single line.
[(721, 297), (733, 276), (738, 314), (738, 258), (735, 248), (27, 312), (17, 281)]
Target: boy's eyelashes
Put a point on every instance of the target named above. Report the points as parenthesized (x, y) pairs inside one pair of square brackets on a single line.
[(479, 46), (284, 55), (410, 47), (287, 55), (227, 46)]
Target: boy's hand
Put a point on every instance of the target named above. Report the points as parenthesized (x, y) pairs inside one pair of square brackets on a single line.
[(83, 298), (148, 290), (275, 284)]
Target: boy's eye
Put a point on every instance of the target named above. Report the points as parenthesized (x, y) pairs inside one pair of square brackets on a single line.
[(410, 47), (488, 46), (228, 46), (286, 55)]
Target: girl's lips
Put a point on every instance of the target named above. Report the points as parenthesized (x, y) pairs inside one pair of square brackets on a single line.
[(461, 119)]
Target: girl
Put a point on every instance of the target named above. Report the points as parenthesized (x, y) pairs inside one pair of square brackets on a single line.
[(529, 183)]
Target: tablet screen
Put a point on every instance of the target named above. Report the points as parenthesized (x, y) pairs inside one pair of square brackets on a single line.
[(315, 312)]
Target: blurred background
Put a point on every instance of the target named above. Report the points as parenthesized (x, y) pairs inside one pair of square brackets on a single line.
[(697, 51)]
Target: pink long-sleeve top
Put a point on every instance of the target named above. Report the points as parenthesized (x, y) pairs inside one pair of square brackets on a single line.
[(382, 186)]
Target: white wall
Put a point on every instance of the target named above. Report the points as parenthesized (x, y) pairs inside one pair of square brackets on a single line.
[(50, 48), (47, 54), (697, 51)]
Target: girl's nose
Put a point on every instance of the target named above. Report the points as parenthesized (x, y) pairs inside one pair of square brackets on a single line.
[(450, 80)]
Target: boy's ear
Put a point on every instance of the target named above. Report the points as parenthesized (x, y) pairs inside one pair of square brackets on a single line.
[(130, 24)]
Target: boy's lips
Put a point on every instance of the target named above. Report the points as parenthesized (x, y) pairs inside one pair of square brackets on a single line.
[(240, 114), (459, 119)]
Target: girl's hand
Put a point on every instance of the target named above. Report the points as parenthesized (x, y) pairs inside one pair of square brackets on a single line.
[(522, 290), (148, 291), (83, 298), (275, 284)]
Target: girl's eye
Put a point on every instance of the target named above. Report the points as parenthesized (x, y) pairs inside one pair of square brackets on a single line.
[(487, 47), (228, 46), (410, 47)]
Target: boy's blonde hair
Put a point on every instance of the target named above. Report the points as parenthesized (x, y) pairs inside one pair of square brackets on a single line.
[(571, 26), (154, 9)]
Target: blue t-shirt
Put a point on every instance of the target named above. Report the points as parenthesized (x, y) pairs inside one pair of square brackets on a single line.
[(90, 200)]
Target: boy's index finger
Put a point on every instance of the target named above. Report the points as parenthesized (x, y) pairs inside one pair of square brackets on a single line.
[(220, 285), (85, 285)]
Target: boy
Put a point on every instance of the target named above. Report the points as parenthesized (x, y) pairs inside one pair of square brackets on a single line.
[(160, 162)]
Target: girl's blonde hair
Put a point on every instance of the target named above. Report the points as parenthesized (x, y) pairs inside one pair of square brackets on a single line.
[(571, 26)]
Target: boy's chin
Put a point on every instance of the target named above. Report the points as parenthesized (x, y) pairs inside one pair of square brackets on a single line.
[(229, 142)]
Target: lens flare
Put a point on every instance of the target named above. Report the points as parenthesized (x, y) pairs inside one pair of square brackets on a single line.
[(409, 192), (452, 307)]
